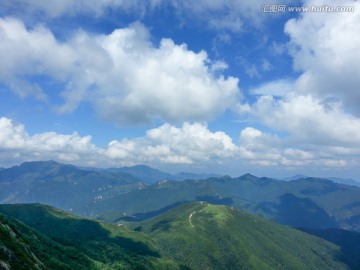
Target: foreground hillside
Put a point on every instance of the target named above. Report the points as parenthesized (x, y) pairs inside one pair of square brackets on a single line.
[(206, 236), (191, 236), (64, 241), (24, 248)]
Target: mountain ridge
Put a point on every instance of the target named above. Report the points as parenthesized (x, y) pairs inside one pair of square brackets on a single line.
[(112, 195), (191, 236), (194, 234)]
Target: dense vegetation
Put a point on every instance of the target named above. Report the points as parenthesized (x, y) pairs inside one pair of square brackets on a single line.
[(310, 202), (63, 186), (190, 236), (24, 248), (206, 236), (88, 243), (168, 229)]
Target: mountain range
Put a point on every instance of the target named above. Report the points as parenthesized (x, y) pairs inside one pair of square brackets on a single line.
[(190, 236), (150, 175), (339, 180), (115, 194), (59, 216), (310, 202)]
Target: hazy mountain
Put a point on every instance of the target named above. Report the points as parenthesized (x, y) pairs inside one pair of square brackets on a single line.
[(61, 185), (295, 177), (339, 180), (111, 194), (145, 173), (346, 181), (310, 202), (299, 212), (190, 236), (151, 175), (194, 176)]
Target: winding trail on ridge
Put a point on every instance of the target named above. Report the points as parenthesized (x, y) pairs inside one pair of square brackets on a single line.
[(190, 217)]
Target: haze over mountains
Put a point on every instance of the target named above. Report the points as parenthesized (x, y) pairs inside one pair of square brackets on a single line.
[(114, 193), (182, 221)]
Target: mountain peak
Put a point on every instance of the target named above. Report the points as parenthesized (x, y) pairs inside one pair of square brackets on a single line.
[(248, 176)]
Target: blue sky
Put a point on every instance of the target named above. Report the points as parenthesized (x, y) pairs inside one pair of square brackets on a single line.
[(211, 86)]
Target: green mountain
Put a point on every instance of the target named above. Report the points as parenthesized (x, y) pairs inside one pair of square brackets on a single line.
[(205, 236), (348, 241), (112, 194), (63, 186), (339, 180), (190, 236), (310, 202), (24, 248), (53, 239)]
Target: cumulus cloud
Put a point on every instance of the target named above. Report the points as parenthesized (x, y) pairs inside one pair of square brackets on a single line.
[(167, 144), (324, 47), (309, 120), (187, 144), (264, 149), (316, 115), (191, 144), (124, 75), (17, 145)]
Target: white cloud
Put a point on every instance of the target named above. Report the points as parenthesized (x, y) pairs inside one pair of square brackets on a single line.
[(191, 144), (315, 115), (308, 120), (267, 150), (125, 77), (11, 136), (17, 145), (169, 144), (188, 144), (324, 46)]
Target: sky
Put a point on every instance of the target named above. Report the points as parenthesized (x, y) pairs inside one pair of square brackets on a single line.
[(226, 87)]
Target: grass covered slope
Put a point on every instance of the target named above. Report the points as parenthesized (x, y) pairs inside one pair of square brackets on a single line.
[(205, 236), (108, 246), (24, 248)]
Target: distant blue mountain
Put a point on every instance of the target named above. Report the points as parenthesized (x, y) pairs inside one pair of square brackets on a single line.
[(346, 181), (339, 180), (295, 177), (150, 175), (145, 173), (62, 185)]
